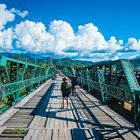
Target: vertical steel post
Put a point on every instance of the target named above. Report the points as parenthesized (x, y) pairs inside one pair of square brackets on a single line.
[(101, 79), (88, 80), (134, 86)]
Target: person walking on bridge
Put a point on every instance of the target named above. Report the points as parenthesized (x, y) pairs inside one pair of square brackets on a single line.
[(74, 83), (66, 90)]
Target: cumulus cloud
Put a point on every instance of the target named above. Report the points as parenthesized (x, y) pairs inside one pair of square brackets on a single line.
[(19, 13), (133, 44), (32, 37), (89, 38), (63, 35), (6, 39), (60, 39), (9, 15), (5, 16)]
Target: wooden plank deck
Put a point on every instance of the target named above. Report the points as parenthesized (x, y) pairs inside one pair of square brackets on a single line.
[(85, 118)]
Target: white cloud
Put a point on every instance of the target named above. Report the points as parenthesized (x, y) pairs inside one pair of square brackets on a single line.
[(89, 38), (87, 43), (133, 44), (9, 15), (114, 45), (63, 35), (6, 39), (5, 16), (61, 40), (33, 37), (19, 13)]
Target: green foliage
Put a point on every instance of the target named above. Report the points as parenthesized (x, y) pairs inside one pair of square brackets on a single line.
[(19, 131), (60, 63)]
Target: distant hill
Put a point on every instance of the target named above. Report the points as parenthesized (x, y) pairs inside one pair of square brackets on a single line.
[(38, 59)]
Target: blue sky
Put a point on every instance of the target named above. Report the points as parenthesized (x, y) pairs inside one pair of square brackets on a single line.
[(117, 18), (120, 18)]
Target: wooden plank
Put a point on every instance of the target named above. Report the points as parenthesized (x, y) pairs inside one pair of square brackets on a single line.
[(40, 118), (110, 112), (14, 109), (68, 134), (10, 138), (48, 135), (136, 133), (57, 108), (111, 118), (78, 133), (55, 134), (62, 134), (32, 124), (35, 134), (60, 114), (72, 119), (42, 134), (49, 114), (75, 111), (2, 129), (69, 119), (89, 135), (126, 134), (64, 119), (29, 134)]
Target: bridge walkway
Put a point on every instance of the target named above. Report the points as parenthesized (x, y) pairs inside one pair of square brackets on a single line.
[(39, 116)]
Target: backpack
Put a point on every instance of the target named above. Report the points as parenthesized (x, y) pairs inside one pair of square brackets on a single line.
[(66, 87)]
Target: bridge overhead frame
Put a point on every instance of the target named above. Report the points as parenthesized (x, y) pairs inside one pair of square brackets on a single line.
[(113, 80), (19, 78)]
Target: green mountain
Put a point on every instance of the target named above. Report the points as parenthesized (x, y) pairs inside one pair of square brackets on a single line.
[(39, 60), (64, 62)]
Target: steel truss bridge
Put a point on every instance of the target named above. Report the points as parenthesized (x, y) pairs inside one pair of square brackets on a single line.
[(30, 101), (116, 81), (19, 78)]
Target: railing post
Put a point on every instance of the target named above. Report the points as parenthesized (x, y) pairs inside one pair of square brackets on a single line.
[(82, 84), (136, 100), (134, 86), (101, 80), (88, 80)]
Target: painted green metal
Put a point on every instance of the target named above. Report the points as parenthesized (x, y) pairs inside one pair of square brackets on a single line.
[(101, 80), (20, 78), (134, 85), (88, 80), (114, 80), (65, 71)]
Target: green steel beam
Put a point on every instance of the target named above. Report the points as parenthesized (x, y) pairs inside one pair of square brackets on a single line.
[(134, 86), (115, 79), (20, 78)]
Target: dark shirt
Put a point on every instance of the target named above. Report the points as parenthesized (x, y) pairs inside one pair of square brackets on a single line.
[(66, 87), (74, 80)]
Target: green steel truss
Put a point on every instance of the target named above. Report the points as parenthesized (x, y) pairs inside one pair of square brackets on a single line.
[(113, 80), (19, 79)]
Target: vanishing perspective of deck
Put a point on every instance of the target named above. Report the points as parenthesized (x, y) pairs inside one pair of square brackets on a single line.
[(39, 117)]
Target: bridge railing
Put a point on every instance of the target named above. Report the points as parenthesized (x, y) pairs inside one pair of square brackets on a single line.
[(19, 78), (113, 80)]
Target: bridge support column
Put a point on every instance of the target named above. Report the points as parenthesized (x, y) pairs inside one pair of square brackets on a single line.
[(135, 89), (101, 79), (88, 80)]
